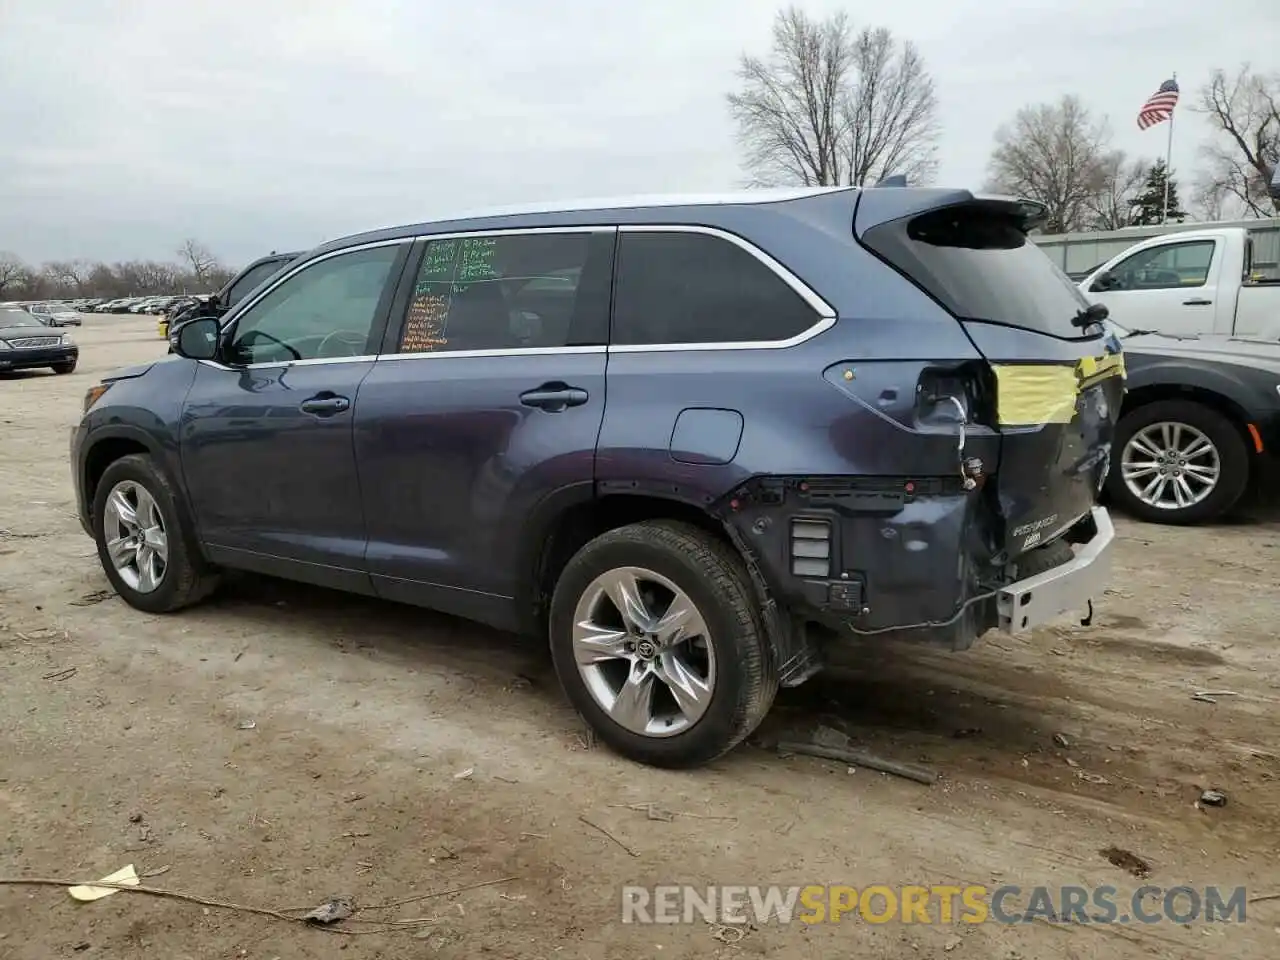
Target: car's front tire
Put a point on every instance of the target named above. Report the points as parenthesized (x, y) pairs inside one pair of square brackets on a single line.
[(1177, 462), (656, 640), (147, 550), (68, 367)]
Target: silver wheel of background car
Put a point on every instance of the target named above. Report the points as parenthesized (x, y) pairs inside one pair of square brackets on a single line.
[(644, 652), (136, 541), (1170, 465)]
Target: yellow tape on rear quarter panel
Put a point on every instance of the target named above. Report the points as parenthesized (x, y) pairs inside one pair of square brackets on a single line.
[(1037, 393), (1031, 393), (1094, 369)]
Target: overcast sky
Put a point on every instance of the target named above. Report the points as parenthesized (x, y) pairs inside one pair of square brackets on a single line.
[(127, 125)]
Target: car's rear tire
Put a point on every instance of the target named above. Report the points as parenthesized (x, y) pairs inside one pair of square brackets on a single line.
[(657, 695), (147, 548), (64, 367), (1158, 436)]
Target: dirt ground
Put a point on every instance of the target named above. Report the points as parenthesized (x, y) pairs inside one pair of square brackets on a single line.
[(282, 745)]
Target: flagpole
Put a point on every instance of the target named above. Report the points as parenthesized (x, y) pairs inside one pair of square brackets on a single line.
[(1168, 163)]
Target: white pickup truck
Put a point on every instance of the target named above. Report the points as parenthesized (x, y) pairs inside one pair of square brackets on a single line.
[(1188, 284)]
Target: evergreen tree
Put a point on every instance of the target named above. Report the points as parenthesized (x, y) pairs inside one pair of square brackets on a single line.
[(1150, 201)]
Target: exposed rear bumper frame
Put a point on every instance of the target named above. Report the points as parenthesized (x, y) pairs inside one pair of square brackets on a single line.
[(1030, 602)]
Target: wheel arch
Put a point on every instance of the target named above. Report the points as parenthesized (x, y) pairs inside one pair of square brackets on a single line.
[(105, 447), (1215, 399), (566, 521)]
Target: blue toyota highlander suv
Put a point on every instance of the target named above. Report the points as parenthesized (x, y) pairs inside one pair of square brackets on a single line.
[(691, 441)]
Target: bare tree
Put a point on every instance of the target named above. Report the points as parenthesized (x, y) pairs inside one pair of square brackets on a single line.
[(12, 271), (834, 106), (199, 258), (1211, 200), (1244, 111), (1115, 204), (70, 275), (1056, 154), (66, 279)]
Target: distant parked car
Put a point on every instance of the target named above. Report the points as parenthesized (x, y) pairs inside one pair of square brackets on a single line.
[(55, 314), (27, 342), (1200, 425)]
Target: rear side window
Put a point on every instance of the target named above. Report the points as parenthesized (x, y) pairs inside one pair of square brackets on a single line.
[(979, 264), (678, 287)]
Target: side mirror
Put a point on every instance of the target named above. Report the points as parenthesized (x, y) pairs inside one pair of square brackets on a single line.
[(197, 339), (1102, 282)]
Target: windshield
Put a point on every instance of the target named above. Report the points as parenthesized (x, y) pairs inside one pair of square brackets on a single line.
[(18, 318)]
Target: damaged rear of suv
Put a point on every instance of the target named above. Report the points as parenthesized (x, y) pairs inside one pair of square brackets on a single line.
[(919, 459), (690, 441)]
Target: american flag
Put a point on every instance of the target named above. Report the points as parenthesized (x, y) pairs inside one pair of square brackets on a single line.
[(1159, 105)]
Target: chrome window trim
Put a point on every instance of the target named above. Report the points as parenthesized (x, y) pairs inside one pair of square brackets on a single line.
[(514, 352), (281, 364), (822, 326), (826, 313)]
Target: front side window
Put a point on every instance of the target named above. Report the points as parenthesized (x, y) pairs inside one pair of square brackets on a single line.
[(506, 292), (681, 287), (1165, 267), (325, 311)]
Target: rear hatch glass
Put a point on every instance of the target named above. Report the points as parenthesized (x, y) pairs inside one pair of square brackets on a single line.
[(978, 262), (1058, 385)]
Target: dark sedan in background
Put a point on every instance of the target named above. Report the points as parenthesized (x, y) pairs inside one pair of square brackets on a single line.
[(1200, 425), (26, 343)]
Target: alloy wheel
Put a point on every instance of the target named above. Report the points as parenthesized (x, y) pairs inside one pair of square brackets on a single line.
[(644, 651), (1170, 465), (136, 541)]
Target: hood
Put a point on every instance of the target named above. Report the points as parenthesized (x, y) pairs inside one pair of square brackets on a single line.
[(129, 373), (1261, 354), (15, 333)]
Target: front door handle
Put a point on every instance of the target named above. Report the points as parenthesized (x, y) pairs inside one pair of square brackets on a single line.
[(1197, 303), (324, 405), (554, 397)]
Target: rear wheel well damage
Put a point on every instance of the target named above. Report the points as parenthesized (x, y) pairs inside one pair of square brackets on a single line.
[(794, 646)]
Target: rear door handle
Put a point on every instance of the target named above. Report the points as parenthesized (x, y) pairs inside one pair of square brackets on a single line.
[(554, 397), (325, 405), (1197, 303)]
